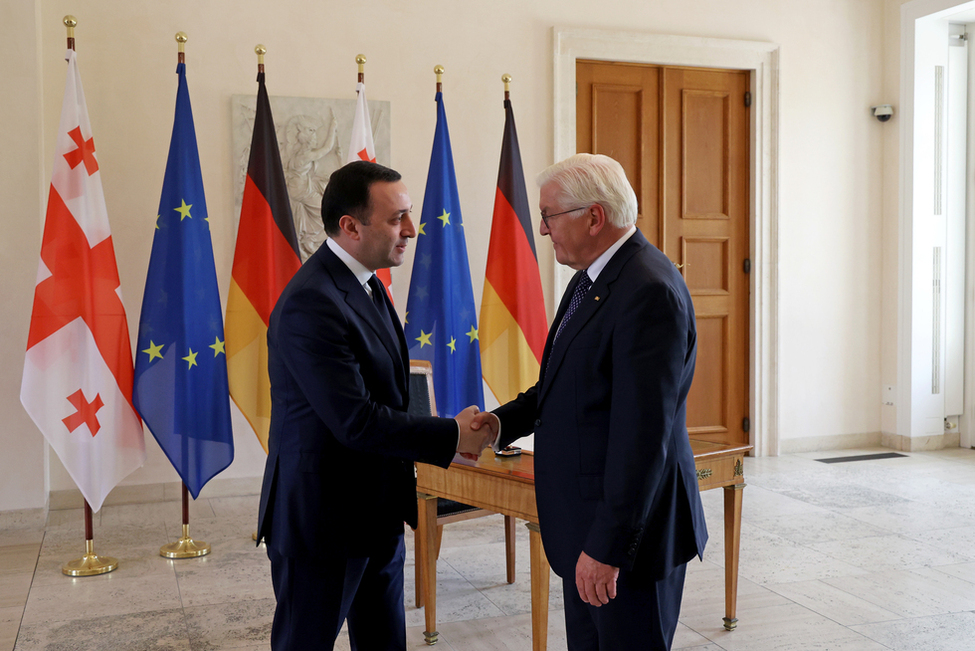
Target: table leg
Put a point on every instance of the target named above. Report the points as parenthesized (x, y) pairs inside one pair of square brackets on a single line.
[(509, 547), (426, 556), (539, 590), (732, 541)]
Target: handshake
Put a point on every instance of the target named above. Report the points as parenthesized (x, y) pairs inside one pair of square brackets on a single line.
[(478, 430)]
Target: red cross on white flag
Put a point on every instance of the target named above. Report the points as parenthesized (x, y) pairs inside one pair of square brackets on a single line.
[(363, 147), (77, 384)]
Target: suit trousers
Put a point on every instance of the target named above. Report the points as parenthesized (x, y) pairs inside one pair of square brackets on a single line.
[(315, 596), (642, 617)]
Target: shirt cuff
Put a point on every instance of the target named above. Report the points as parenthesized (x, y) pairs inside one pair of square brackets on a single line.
[(494, 445)]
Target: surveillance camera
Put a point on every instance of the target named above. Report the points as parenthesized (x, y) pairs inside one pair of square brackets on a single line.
[(883, 112)]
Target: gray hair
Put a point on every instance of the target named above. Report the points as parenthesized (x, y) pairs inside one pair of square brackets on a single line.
[(595, 178)]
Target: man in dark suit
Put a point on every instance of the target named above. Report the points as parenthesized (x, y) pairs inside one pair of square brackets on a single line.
[(339, 481), (615, 484)]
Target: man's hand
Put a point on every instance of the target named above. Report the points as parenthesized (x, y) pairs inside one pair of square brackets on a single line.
[(473, 439), (595, 581), (488, 420), (485, 421)]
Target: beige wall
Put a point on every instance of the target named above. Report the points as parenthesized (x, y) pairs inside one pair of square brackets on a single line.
[(24, 196), (831, 196)]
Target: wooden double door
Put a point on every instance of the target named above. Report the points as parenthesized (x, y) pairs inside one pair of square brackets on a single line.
[(682, 135)]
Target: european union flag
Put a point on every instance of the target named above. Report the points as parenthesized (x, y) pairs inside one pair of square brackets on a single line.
[(181, 367), (441, 324)]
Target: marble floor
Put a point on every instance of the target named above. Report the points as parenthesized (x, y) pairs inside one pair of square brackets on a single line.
[(860, 555)]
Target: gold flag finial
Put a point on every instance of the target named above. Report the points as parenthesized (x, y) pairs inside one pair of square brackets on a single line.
[(438, 70), (260, 51), (361, 60), (506, 78), (70, 22), (181, 38)]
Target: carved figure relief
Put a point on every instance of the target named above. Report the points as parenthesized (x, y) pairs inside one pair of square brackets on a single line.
[(313, 136)]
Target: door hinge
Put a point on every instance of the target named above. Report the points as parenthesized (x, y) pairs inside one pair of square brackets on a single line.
[(745, 424), (748, 98), (747, 266)]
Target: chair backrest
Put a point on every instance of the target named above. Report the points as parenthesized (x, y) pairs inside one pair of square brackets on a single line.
[(422, 400)]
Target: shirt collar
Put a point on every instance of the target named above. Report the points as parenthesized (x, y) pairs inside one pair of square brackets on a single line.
[(357, 268), (600, 263)]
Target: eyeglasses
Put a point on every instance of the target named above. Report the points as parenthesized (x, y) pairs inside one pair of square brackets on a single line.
[(545, 217)]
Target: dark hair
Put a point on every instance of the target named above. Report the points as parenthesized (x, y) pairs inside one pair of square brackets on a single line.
[(347, 192)]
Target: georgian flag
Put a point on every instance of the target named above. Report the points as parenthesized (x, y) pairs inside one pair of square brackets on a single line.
[(363, 147), (77, 384)]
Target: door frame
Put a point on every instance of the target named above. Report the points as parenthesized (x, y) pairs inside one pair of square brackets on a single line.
[(762, 59)]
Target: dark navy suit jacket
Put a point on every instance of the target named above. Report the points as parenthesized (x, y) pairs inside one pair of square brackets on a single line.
[(341, 446), (614, 471)]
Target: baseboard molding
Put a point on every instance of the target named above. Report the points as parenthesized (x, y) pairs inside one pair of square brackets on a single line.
[(160, 492), (838, 442), (23, 519), (922, 443)]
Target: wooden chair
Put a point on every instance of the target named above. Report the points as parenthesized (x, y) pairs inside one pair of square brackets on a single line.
[(423, 403)]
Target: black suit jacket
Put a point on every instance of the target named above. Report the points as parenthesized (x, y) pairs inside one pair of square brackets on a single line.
[(341, 446), (614, 471)]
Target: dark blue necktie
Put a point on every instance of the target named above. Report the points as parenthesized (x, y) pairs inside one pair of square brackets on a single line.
[(379, 298), (577, 296)]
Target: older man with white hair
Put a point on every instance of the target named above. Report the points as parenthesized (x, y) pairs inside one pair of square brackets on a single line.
[(618, 502)]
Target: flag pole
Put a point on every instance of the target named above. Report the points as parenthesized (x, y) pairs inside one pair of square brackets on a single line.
[(185, 547), (383, 274), (439, 70), (90, 564), (260, 51)]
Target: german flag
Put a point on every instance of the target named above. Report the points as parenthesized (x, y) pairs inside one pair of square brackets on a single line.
[(265, 259), (513, 324)]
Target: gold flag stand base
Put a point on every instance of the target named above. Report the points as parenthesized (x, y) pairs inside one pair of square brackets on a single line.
[(185, 547), (90, 564)]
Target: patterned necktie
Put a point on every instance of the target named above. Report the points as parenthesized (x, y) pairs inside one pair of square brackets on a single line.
[(577, 296)]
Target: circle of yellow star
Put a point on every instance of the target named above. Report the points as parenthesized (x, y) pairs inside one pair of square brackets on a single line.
[(419, 229), (452, 345), (424, 338), (472, 334), (191, 359), (445, 217), (217, 347), (184, 210), (154, 351)]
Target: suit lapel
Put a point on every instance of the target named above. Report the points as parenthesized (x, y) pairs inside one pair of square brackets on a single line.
[(360, 303), (595, 298)]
